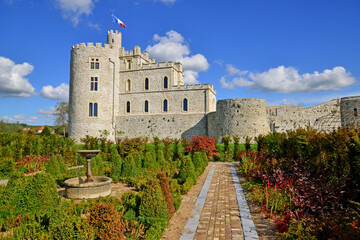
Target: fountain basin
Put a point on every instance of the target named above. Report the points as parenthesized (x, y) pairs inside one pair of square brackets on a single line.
[(76, 188)]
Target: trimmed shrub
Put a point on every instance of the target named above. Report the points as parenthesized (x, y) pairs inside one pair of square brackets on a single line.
[(176, 193), (56, 167), (106, 220), (138, 157), (247, 143), (153, 212), (97, 166), (187, 170), (7, 167), (185, 188), (129, 168), (198, 163), (236, 148), (165, 187), (149, 161), (33, 194), (116, 169)]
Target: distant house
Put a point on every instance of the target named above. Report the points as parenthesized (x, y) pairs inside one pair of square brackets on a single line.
[(40, 130)]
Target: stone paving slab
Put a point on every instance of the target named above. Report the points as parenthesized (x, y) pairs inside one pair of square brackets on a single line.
[(220, 217)]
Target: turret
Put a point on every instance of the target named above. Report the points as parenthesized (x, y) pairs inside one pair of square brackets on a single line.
[(114, 39)]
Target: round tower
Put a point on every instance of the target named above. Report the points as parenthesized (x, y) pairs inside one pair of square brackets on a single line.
[(350, 111), (91, 91), (241, 117)]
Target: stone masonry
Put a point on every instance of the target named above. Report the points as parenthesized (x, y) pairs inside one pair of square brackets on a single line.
[(128, 94)]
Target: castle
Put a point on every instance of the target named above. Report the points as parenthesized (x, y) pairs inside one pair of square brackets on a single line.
[(128, 94)]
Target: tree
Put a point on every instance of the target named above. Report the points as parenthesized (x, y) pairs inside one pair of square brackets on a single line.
[(62, 116)]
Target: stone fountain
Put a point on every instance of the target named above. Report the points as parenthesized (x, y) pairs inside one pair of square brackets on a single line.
[(89, 186)]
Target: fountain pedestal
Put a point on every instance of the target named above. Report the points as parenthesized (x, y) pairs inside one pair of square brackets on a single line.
[(89, 186)]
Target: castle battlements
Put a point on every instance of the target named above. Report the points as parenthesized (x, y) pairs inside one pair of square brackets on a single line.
[(91, 45), (197, 86)]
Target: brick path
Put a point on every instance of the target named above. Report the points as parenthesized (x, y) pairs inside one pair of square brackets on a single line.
[(220, 216)]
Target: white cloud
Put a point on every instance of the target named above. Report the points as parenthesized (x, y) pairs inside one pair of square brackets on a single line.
[(46, 113), (19, 118), (94, 26), (12, 81), (60, 93), (74, 9), (288, 80), (172, 47)]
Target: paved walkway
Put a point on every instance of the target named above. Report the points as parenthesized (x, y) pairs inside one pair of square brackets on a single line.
[(220, 214)]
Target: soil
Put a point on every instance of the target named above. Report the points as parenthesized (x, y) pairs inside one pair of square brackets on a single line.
[(178, 221), (265, 227)]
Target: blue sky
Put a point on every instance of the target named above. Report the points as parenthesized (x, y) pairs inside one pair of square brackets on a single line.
[(299, 52)]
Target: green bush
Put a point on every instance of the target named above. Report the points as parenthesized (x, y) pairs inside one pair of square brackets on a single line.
[(7, 167), (187, 170), (56, 167), (153, 212), (185, 188), (198, 163), (116, 168), (33, 194), (176, 193), (129, 168), (149, 161), (236, 148), (97, 166)]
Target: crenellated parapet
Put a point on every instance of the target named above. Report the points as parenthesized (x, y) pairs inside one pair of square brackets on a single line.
[(90, 45), (197, 87)]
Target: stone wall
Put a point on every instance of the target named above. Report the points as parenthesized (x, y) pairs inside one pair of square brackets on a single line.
[(325, 116), (239, 117), (350, 115), (162, 125)]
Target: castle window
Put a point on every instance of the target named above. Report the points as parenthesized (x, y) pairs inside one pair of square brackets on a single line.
[(165, 105), (355, 112), (128, 107), (128, 85), (165, 82), (93, 109), (128, 64), (146, 106), (146, 84), (272, 127), (185, 105), (94, 63), (94, 84)]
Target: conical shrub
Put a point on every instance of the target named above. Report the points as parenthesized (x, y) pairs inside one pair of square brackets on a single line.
[(129, 168)]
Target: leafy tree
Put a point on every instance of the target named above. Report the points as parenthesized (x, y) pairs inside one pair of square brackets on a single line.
[(62, 116)]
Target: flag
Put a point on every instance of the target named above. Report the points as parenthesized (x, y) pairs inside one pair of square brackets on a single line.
[(118, 21)]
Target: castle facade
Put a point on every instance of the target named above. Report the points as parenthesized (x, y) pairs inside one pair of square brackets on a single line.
[(127, 94)]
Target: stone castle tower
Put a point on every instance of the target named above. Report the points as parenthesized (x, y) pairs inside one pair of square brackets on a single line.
[(128, 93)]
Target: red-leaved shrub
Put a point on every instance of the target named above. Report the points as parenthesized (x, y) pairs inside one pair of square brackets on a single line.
[(203, 143)]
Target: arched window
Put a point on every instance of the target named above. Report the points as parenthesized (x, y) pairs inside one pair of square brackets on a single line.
[(185, 105), (165, 82), (128, 107), (90, 109), (128, 85), (165, 105), (146, 106), (95, 109), (146, 84)]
